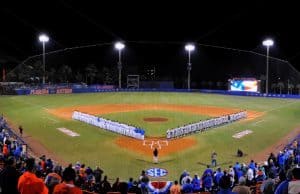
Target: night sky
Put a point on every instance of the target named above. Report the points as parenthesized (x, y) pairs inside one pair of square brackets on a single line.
[(154, 32)]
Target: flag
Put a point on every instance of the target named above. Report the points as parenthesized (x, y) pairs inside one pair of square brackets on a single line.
[(159, 187)]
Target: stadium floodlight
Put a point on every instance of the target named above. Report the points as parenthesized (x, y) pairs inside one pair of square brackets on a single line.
[(119, 46), (189, 48), (267, 43), (43, 38)]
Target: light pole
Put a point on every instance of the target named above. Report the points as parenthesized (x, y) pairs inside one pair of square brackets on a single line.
[(43, 38), (267, 43), (189, 48), (119, 46)]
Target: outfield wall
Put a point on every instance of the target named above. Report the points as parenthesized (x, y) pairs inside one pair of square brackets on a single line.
[(101, 89)]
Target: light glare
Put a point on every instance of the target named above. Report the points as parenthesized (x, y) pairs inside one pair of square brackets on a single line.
[(189, 47), (43, 38), (119, 46), (268, 42)]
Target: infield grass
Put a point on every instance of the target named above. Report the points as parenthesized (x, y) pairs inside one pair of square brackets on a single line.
[(156, 129)]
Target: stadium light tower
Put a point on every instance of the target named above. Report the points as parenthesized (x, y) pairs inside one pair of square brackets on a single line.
[(189, 48), (267, 43), (43, 38), (120, 46)]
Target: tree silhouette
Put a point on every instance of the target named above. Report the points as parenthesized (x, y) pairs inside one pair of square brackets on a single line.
[(90, 72), (280, 86), (298, 87)]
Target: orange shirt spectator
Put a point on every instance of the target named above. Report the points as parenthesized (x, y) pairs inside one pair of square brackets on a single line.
[(64, 188), (67, 187), (28, 183), (175, 189), (5, 150), (43, 165), (82, 171)]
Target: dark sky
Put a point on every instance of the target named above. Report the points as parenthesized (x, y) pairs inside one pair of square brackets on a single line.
[(238, 24)]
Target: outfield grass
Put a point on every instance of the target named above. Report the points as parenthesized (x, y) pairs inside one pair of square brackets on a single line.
[(156, 129), (97, 147)]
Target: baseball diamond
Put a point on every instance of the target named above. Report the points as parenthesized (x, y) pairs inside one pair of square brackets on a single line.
[(95, 146)]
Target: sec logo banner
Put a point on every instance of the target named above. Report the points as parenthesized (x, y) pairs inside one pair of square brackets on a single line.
[(156, 172)]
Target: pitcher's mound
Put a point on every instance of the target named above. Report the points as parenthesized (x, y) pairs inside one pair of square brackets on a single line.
[(155, 119)]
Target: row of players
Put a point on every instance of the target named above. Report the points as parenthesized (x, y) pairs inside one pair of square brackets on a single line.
[(203, 125), (112, 126)]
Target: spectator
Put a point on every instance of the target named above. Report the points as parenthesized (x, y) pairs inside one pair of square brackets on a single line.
[(218, 175), (225, 184), (144, 180), (77, 166), (90, 178), (5, 150), (208, 170), (290, 186), (9, 177), (29, 183), (207, 182), (130, 183), (175, 188), (260, 175), (250, 177), (237, 166), (115, 186), (272, 159), (135, 189), (82, 171), (268, 185), (241, 188), (67, 186), (52, 179), (98, 174), (17, 152), (123, 188), (105, 185), (49, 165), (182, 176), (187, 187), (196, 184), (187, 177)]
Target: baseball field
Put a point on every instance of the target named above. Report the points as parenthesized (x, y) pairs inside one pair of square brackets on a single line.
[(273, 123)]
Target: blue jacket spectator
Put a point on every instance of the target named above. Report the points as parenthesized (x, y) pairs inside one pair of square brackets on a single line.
[(207, 182), (187, 187), (196, 184), (218, 176)]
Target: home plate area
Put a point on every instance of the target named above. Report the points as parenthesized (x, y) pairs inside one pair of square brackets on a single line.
[(164, 146), (155, 143)]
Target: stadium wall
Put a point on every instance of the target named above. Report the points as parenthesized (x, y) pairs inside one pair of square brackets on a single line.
[(99, 89)]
